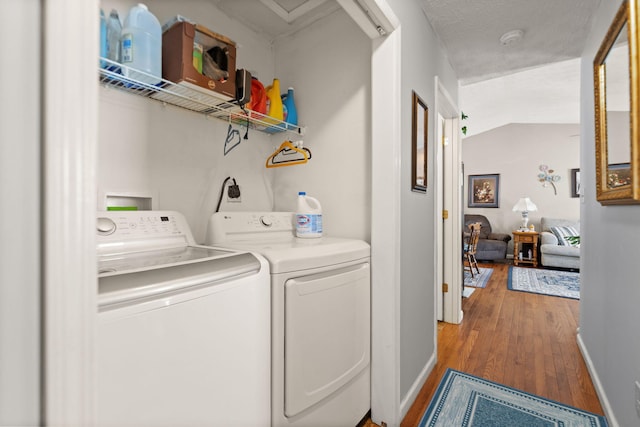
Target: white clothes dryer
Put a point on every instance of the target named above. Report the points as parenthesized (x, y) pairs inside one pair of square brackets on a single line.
[(183, 335), (320, 323)]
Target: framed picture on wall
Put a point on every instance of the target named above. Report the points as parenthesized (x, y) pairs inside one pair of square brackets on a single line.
[(575, 182), (484, 191)]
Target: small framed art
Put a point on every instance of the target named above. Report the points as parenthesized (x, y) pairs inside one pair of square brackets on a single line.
[(575, 182), (484, 191)]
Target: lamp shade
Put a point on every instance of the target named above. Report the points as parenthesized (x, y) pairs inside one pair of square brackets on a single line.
[(525, 205)]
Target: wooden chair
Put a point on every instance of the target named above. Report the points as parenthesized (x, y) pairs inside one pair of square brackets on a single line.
[(470, 247)]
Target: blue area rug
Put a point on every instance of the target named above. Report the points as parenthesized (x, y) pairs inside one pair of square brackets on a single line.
[(468, 401), (479, 280), (547, 282)]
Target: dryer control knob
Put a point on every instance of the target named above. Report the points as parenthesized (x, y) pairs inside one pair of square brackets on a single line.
[(266, 221), (105, 226)]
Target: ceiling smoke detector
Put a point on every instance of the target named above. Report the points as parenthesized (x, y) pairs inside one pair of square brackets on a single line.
[(511, 37)]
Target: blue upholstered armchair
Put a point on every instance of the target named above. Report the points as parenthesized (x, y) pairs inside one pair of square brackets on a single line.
[(491, 246)]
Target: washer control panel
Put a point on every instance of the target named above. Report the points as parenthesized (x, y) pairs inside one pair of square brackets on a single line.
[(140, 223), (118, 231), (234, 226)]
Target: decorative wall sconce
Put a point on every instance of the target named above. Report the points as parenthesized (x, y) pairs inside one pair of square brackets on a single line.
[(547, 177)]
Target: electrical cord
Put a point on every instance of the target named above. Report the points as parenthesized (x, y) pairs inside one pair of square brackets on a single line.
[(246, 135), (224, 183)]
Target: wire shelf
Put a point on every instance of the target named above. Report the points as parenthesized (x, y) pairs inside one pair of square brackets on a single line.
[(187, 96)]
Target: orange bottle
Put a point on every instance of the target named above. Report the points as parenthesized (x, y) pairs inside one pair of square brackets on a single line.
[(258, 102)]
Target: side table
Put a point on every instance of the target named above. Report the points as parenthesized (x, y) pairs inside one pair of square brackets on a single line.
[(530, 237)]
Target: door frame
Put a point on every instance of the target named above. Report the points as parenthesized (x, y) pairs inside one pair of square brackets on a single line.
[(70, 134), (448, 232), (438, 215), (386, 134)]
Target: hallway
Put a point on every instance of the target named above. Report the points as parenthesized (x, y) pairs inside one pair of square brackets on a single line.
[(518, 339)]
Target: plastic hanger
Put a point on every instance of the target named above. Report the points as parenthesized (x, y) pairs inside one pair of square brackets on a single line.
[(229, 143), (288, 151), (288, 148)]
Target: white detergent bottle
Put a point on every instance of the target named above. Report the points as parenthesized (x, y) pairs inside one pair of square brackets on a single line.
[(308, 217)]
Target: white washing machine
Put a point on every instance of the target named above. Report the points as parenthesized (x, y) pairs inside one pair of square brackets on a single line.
[(183, 334), (320, 324)]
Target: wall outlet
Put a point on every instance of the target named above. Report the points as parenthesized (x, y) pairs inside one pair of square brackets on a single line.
[(234, 194), (637, 388)]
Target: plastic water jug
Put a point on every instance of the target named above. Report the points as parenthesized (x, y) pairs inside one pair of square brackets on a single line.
[(308, 217), (114, 32), (141, 45)]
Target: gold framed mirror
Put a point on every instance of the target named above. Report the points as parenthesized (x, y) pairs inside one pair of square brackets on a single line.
[(615, 73)]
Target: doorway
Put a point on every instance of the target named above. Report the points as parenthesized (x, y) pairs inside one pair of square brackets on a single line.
[(448, 280)]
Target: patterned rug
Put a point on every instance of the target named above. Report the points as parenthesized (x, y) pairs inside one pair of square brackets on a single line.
[(547, 282), (466, 400), (479, 280)]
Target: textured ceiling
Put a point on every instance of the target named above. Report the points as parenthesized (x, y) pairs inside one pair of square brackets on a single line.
[(277, 18), (470, 30)]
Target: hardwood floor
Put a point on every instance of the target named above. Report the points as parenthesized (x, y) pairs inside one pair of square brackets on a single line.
[(518, 339)]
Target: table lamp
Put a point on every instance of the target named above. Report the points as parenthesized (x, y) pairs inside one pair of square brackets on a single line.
[(525, 205)]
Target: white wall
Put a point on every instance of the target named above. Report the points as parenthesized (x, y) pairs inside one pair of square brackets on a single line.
[(20, 219), (515, 152), (422, 59), (610, 292), (329, 67)]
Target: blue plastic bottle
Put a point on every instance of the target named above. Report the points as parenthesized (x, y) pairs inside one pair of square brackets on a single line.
[(289, 103), (103, 38)]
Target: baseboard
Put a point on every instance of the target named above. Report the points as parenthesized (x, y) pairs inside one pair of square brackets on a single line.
[(408, 400), (602, 396)]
